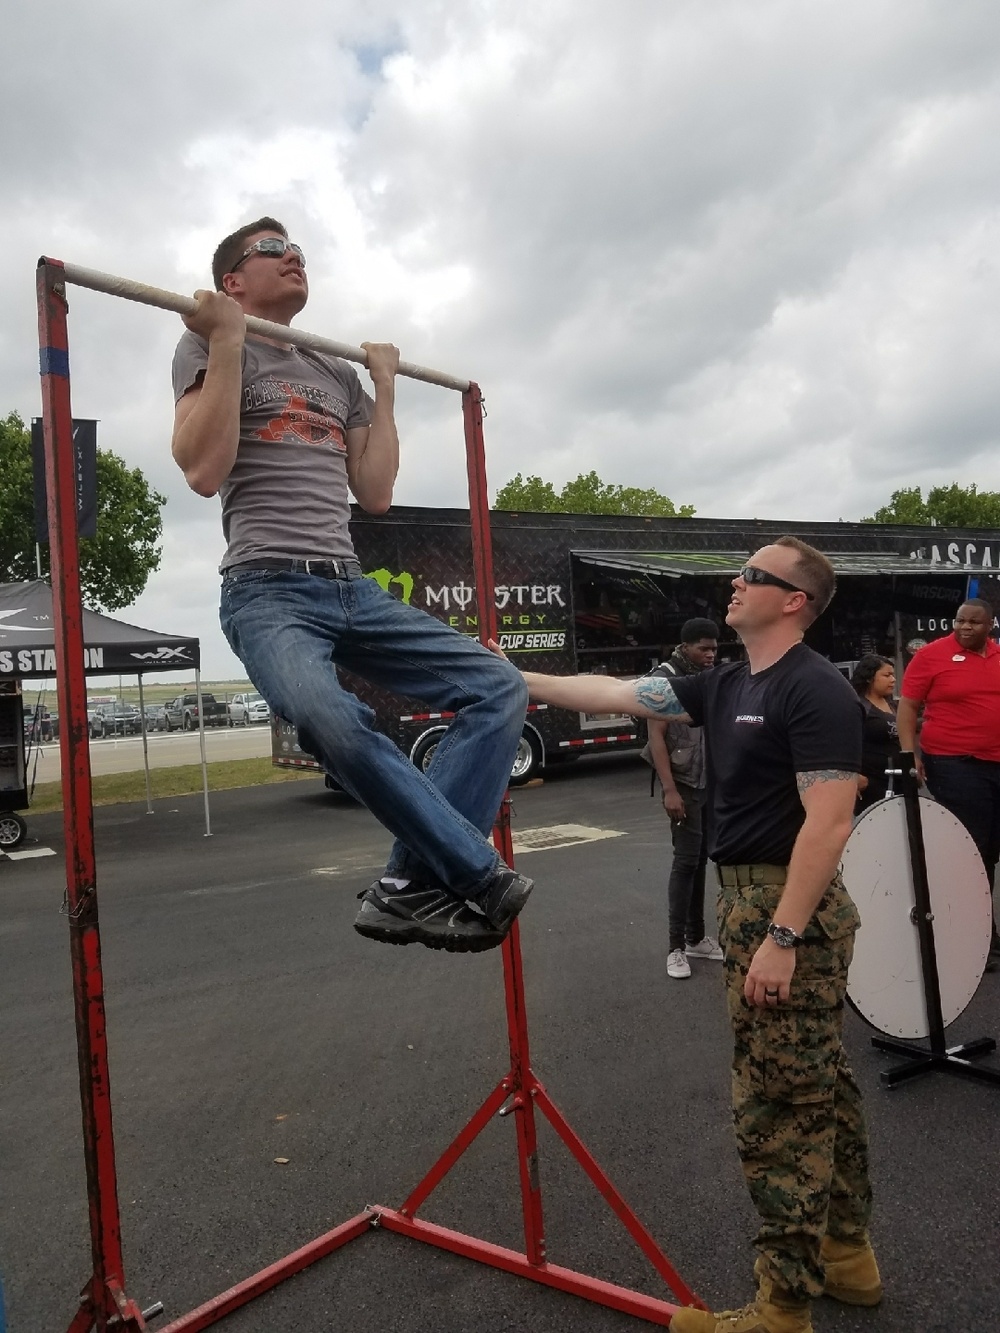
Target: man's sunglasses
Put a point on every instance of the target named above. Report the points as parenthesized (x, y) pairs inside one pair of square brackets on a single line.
[(273, 246), (751, 574)]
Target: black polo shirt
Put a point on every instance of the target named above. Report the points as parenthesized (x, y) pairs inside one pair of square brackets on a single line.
[(798, 716)]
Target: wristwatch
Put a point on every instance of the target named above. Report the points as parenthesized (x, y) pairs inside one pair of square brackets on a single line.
[(783, 936)]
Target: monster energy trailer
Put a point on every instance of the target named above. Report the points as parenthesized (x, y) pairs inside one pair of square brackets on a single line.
[(608, 594)]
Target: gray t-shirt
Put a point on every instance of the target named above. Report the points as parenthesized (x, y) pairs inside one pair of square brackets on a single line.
[(287, 492)]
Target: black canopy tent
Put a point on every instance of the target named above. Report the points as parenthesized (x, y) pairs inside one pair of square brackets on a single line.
[(111, 647)]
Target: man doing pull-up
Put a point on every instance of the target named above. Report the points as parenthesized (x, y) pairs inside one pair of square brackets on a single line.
[(282, 435)]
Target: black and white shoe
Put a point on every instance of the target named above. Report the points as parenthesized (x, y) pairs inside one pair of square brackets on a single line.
[(424, 914), (504, 896)]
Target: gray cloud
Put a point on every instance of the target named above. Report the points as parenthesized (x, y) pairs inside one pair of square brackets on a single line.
[(746, 254)]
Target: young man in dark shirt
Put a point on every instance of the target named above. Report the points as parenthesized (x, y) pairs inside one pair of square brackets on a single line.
[(677, 753), (783, 731)]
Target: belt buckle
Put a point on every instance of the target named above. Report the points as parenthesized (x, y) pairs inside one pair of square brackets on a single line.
[(325, 567)]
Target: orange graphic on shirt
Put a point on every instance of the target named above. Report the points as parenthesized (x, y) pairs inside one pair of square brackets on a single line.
[(298, 420)]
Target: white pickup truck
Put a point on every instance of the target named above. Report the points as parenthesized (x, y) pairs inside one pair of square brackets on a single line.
[(247, 708)]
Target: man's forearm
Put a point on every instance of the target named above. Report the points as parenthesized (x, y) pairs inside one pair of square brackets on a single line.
[(660, 755), (906, 723), (814, 861), (375, 476), (644, 696), (589, 694), (204, 445)]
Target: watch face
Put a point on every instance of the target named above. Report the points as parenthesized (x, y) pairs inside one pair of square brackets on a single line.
[(783, 935)]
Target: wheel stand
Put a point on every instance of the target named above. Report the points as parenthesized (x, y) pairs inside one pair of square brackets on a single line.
[(104, 1304), (937, 1058)]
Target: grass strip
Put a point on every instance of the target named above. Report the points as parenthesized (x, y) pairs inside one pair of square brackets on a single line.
[(183, 780)]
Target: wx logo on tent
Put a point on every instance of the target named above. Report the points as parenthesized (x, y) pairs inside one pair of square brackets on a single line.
[(163, 655), (22, 629)]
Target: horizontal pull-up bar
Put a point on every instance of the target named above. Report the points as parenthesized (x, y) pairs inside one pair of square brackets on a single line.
[(185, 305)]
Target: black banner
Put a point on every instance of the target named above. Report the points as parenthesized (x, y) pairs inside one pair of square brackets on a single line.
[(85, 448)]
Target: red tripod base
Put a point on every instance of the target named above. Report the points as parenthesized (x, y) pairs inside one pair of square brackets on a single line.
[(551, 1275), (403, 1221)]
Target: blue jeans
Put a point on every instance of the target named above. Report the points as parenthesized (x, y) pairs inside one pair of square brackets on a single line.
[(292, 630)]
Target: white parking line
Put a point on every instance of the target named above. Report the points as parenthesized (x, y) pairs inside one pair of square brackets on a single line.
[(29, 853)]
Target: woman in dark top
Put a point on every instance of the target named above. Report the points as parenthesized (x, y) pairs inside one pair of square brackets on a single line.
[(875, 679)]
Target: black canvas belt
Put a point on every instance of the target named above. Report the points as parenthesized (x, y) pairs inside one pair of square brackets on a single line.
[(324, 569)]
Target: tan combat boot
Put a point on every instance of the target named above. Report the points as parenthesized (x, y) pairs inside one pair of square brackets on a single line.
[(852, 1274), (774, 1311)]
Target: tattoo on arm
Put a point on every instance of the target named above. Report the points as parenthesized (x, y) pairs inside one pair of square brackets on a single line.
[(806, 780), (657, 694)]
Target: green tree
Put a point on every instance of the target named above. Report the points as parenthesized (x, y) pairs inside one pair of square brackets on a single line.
[(588, 494), (951, 506), (116, 564)]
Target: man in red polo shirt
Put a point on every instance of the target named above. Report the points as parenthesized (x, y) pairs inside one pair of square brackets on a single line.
[(957, 679)]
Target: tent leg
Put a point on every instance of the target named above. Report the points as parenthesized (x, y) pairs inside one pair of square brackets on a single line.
[(204, 761), (145, 747)]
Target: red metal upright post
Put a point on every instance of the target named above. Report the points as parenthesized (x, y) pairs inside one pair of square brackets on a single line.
[(103, 1298), (520, 1092), (517, 1022)]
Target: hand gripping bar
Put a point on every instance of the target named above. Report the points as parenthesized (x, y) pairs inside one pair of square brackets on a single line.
[(185, 305)]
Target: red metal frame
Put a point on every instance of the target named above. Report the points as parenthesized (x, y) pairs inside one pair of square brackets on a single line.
[(104, 1305)]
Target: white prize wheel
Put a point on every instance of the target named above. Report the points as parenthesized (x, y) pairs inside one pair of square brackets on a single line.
[(885, 984)]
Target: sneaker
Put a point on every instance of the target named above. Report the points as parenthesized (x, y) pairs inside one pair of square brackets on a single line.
[(758, 1317), (423, 914), (504, 896), (677, 965), (706, 948)]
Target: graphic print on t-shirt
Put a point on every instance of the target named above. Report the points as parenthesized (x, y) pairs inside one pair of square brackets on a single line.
[(305, 413)]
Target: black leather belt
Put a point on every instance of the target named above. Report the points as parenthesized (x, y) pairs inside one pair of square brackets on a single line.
[(324, 569)]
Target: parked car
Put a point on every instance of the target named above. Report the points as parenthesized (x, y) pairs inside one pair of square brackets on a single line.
[(119, 719), (156, 718), (247, 708), (182, 712)]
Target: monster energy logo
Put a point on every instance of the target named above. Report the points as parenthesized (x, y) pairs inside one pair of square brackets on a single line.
[(460, 596), (385, 578)]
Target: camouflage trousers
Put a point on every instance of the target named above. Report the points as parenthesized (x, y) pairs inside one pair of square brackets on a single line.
[(800, 1127)]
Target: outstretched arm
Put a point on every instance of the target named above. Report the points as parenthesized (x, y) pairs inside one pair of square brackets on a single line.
[(649, 696)]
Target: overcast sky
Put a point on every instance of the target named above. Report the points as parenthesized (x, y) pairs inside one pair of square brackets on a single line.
[(743, 251)]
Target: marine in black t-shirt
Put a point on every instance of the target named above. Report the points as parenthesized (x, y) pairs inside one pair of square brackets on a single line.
[(798, 716)]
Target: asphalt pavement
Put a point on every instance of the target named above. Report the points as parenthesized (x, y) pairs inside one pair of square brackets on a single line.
[(248, 1022)]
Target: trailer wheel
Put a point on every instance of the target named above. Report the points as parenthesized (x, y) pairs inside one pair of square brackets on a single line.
[(12, 830), (423, 752), (527, 761)]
